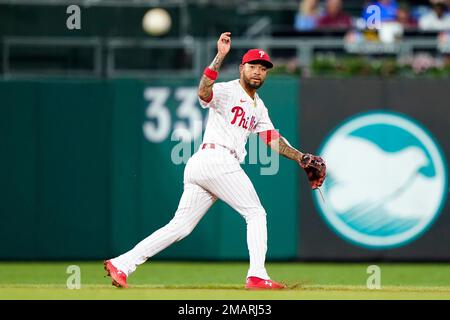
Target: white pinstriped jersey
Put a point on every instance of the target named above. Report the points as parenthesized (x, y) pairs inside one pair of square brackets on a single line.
[(233, 115)]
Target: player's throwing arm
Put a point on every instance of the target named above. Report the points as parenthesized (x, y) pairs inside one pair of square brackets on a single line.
[(207, 81)]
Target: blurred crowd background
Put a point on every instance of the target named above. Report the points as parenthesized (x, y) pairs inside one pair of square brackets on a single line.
[(306, 38), (404, 15)]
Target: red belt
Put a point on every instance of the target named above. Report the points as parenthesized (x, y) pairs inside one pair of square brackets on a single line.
[(213, 146)]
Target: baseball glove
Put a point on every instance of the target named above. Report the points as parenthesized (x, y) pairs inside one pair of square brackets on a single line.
[(315, 169)]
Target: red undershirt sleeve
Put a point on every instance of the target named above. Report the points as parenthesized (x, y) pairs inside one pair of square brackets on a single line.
[(269, 135)]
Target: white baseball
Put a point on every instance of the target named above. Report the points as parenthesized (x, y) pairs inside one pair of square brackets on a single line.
[(156, 22)]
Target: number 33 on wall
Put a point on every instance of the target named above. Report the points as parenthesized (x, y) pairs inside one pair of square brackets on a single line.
[(158, 124)]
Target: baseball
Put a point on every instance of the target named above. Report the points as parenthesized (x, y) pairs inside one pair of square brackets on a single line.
[(156, 22)]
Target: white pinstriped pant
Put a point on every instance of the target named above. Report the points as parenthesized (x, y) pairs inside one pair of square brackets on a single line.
[(209, 174)]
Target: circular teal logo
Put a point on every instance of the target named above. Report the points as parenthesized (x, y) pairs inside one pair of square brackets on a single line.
[(386, 182)]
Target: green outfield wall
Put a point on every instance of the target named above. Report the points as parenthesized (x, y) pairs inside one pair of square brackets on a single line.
[(87, 170)]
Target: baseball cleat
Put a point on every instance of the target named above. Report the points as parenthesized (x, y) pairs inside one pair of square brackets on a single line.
[(119, 279), (255, 283)]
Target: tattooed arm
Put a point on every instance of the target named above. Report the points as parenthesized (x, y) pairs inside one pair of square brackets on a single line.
[(282, 146), (314, 166), (206, 84)]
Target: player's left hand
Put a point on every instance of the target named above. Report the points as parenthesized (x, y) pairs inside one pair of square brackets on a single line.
[(315, 169)]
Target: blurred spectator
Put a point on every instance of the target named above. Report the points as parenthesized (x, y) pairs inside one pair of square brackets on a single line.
[(388, 10), (438, 19), (306, 18), (390, 29), (334, 17), (405, 18)]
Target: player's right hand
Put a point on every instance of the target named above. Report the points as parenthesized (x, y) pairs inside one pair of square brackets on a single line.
[(224, 43)]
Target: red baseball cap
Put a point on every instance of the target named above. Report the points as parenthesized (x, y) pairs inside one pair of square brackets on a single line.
[(257, 55)]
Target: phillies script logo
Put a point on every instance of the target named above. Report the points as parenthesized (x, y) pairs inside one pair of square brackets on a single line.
[(239, 114)]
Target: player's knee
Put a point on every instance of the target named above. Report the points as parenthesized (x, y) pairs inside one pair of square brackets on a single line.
[(179, 232), (257, 213), (183, 232), (179, 229)]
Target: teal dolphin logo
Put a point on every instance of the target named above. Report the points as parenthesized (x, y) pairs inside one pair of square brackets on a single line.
[(387, 180)]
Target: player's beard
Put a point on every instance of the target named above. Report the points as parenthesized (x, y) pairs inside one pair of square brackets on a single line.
[(252, 83)]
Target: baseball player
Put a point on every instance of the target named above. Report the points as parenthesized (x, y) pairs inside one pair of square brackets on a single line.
[(214, 171)]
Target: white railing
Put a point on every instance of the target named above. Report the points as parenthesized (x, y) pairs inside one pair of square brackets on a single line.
[(103, 62)]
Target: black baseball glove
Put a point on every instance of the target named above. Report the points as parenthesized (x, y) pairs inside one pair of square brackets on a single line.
[(315, 169)]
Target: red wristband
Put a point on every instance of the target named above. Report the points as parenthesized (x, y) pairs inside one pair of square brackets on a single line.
[(211, 74)]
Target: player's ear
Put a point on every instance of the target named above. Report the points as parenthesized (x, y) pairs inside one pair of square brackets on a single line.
[(241, 67)]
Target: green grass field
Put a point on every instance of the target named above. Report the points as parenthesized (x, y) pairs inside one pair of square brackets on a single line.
[(224, 281)]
